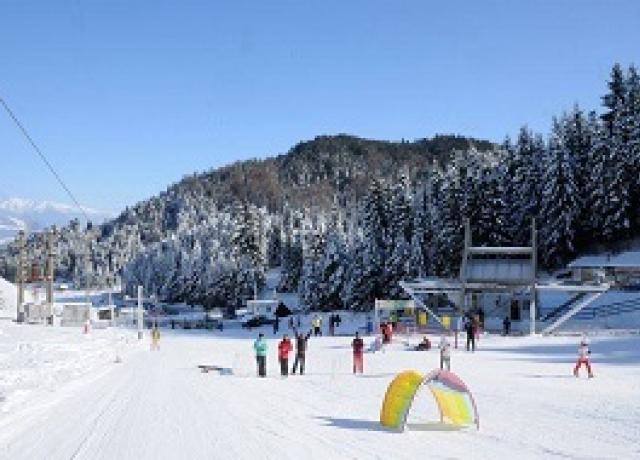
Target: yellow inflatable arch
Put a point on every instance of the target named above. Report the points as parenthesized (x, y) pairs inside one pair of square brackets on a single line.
[(454, 399)]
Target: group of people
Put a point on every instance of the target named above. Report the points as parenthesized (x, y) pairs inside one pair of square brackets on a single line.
[(285, 347), (472, 326), (445, 350)]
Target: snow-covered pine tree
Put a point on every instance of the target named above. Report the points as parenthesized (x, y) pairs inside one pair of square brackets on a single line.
[(492, 222), (631, 130), (613, 100), (333, 266), (291, 261), (616, 168), (559, 202), (529, 151), (513, 168), (451, 231), (375, 230), (274, 246), (246, 238), (422, 233), (312, 270), (398, 238)]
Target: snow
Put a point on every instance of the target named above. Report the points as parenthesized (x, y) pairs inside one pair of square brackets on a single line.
[(64, 397), (628, 259)]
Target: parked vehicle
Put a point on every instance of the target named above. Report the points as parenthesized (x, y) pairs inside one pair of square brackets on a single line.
[(258, 321)]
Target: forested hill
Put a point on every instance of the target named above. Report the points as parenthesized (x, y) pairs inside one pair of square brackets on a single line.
[(347, 219), (314, 173), (328, 172)]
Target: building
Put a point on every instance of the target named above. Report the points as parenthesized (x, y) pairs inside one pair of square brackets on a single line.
[(498, 281), (620, 270)]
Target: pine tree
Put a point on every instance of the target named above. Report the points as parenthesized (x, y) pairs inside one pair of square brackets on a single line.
[(528, 154), (615, 98), (422, 233), (399, 237), (449, 232), (631, 131), (559, 202), (492, 222)]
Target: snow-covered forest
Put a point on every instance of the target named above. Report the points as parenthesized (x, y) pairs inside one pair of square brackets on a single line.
[(347, 218)]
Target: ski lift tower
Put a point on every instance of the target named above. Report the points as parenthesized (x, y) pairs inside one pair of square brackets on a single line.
[(501, 269)]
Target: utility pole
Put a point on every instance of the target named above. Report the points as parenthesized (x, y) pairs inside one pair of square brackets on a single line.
[(20, 277), (534, 268), (50, 274), (140, 313)]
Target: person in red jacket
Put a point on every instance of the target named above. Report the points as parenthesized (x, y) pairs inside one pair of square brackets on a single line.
[(284, 348), (358, 350)]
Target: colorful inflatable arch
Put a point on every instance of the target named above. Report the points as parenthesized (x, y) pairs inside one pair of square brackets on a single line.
[(454, 399)]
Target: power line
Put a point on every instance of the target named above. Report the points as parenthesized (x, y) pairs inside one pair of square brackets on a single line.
[(42, 157)]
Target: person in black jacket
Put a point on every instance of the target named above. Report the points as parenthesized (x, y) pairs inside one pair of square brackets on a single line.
[(506, 325), (301, 352), (471, 338)]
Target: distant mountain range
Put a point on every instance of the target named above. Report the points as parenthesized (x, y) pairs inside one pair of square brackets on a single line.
[(23, 214)]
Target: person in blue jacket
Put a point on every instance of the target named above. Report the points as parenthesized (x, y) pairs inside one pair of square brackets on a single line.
[(260, 347)]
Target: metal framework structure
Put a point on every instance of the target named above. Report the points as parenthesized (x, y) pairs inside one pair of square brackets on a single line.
[(500, 269)]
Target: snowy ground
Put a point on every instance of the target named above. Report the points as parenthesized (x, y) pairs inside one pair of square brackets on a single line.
[(77, 403)]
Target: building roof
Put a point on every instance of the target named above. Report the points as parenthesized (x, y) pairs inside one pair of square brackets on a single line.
[(628, 259)]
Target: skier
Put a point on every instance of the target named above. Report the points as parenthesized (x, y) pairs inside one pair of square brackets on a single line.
[(506, 325), (276, 325), (471, 338), (445, 353), (260, 347), (301, 350), (155, 338), (284, 347), (317, 326), (583, 358), (358, 351)]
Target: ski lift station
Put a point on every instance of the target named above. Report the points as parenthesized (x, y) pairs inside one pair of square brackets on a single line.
[(502, 281)]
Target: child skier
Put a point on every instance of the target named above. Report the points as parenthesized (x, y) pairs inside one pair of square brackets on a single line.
[(583, 358), (155, 338), (358, 350), (445, 353), (260, 347), (284, 347)]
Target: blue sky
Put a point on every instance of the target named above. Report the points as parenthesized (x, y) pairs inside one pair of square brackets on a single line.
[(126, 97)]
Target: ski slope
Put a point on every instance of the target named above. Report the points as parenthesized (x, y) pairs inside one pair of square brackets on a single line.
[(158, 405)]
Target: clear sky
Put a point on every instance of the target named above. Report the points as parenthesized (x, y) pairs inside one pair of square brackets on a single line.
[(126, 97)]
